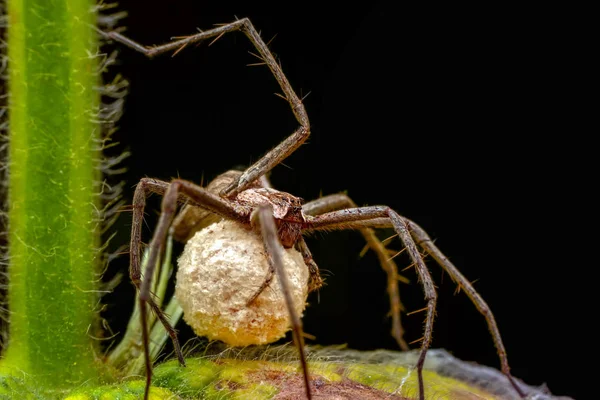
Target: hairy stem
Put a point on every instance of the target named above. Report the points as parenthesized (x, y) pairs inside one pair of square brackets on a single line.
[(53, 201)]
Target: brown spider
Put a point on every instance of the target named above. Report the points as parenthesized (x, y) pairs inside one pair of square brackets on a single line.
[(246, 197)]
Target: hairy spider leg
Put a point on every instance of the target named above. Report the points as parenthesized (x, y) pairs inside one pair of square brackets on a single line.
[(359, 218), (423, 240), (340, 200), (169, 204), (279, 152), (315, 281), (274, 255), (142, 191), (401, 228)]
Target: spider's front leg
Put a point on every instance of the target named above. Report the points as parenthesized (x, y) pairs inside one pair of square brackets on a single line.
[(175, 192), (282, 150), (274, 256)]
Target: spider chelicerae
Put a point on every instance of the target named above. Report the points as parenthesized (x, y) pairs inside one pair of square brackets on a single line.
[(281, 219)]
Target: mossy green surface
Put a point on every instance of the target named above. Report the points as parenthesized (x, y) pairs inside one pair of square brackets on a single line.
[(133, 390), (236, 379)]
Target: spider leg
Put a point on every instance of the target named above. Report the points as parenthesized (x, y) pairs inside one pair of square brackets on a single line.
[(191, 218), (315, 281), (282, 150), (266, 282), (425, 242), (340, 200), (274, 255), (143, 189), (175, 192), (400, 225)]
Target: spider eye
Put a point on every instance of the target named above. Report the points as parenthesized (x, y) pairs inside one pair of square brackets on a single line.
[(300, 200)]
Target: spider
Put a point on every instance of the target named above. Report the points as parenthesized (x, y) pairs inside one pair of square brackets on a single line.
[(281, 219)]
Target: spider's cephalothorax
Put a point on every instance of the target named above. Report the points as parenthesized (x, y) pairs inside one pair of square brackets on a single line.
[(287, 211), (281, 218)]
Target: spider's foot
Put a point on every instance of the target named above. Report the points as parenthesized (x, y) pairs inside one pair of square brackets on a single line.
[(315, 282)]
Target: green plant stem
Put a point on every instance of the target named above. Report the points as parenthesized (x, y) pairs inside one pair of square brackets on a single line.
[(54, 175)]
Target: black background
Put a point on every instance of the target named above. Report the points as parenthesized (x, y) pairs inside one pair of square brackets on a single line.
[(452, 116)]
